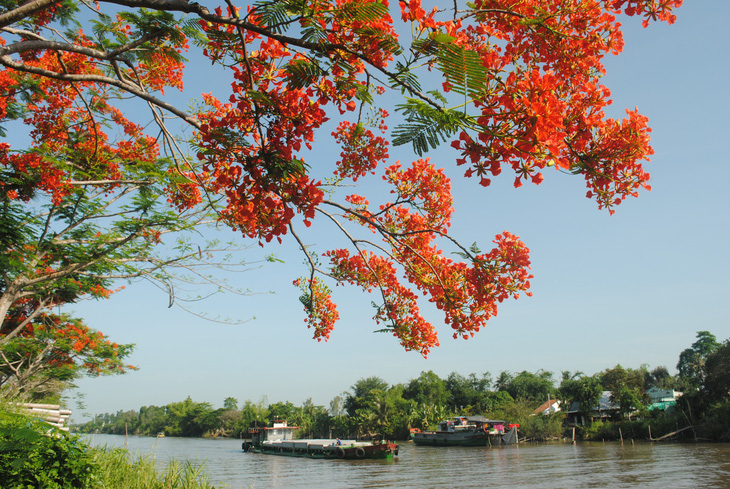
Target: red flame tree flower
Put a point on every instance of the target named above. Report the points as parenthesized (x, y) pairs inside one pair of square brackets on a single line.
[(517, 88)]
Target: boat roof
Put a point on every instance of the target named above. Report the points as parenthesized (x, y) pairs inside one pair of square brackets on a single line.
[(477, 419)]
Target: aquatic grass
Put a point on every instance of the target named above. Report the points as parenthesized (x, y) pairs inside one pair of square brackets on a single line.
[(118, 469)]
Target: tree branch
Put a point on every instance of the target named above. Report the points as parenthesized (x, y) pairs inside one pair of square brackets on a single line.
[(25, 10)]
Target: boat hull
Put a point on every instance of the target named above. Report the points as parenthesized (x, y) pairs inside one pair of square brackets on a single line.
[(304, 449), (463, 438)]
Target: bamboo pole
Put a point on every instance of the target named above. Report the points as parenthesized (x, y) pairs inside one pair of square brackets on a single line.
[(54, 407)]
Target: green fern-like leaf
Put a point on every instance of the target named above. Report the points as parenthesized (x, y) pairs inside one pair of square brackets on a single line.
[(314, 34), (302, 73), (424, 47), (276, 15), (422, 134), (463, 69), (194, 31), (426, 127), (363, 11), (385, 43), (406, 77)]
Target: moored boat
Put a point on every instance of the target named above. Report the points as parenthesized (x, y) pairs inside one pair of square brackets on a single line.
[(280, 439), (467, 431)]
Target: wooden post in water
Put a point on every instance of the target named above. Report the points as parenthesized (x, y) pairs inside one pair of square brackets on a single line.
[(573, 435), (621, 435)]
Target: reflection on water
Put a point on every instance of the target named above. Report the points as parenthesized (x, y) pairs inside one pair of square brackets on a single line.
[(548, 466)]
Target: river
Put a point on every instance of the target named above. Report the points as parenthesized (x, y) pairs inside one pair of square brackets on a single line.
[(558, 465)]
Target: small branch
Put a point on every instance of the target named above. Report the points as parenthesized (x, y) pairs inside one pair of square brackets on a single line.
[(127, 87), (80, 183), (24, 323), (24, 11)]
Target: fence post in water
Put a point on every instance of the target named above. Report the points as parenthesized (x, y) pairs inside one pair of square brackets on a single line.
[(573, 435), (621, 435)]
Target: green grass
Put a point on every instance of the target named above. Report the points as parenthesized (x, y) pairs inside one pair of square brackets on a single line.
[(117, 469)]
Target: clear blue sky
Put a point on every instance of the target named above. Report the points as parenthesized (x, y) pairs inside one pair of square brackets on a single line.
[(629, 289)]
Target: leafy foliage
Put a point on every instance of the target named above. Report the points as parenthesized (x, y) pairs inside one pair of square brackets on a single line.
[(33, 454), (692, 361), (427, 127), (463, 69), (373, 407), (53, 351)]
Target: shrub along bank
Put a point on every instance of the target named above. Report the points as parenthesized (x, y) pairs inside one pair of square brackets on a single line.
[(33, 454)]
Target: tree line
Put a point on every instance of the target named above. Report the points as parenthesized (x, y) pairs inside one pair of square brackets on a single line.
[(373, 408)]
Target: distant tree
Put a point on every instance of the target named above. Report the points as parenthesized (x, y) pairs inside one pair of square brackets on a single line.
[(281, 410), (337, 406), (124, 422), (661, 378), (467, 392), (566, 375), (532, 387), (357, 398), (691, 365), (503, 380), (255, 415), (230, 419), (627, 386), (425, 416), (189, 418), (613, 378), (495, 404), (230, 403), (717, 374), (373, 417), (318, 419), (340, 421), (428, 388), (583, 390), (152, 420), (399, 419), (229, 423)]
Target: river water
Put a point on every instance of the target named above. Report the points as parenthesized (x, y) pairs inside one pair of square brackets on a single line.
[(558, 465)]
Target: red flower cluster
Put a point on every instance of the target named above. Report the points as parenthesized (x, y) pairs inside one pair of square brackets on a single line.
[(536, 104)]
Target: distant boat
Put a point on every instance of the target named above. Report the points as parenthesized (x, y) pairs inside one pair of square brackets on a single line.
[(463, 431), (279, 439), (161, 434)]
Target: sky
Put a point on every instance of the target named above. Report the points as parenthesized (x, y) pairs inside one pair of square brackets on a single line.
[(627, 289)]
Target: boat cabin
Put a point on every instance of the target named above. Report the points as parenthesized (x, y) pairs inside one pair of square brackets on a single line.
[(472, 423), (278, 431)]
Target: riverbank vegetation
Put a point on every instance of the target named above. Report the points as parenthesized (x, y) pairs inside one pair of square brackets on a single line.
[(609, 405), (34, 454)]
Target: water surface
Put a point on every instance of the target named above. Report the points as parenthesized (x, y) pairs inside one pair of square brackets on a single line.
[(548, 466)]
